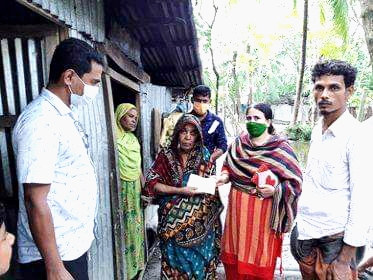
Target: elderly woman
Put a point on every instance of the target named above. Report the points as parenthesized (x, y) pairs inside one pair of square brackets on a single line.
[(189, 228), (130, 176), (266, 184)]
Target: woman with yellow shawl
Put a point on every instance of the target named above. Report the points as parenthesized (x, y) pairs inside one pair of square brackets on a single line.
[(131, 177)]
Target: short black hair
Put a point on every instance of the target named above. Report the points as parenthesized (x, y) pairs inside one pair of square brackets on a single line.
[(267, 111), (73, 54), (335, 67), (202, 90), (2, 214)]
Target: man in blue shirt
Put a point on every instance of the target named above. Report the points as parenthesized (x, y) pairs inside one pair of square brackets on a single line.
[(214, 137)]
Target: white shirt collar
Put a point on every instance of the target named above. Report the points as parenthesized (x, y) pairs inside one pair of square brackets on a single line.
[(340, 125), (55, 101)]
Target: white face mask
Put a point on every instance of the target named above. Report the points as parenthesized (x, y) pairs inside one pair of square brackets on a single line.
[(75, 99), (89, 94)]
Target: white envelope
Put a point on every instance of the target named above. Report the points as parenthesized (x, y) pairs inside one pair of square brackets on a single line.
[(203, 185)]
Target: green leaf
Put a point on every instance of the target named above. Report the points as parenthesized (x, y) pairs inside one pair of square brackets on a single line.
[(322, 14), (294, 4), (340, 17)]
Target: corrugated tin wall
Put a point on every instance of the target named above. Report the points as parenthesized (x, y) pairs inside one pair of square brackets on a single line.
[(84, 16), (21, 78), (151, 97), (94, 121)]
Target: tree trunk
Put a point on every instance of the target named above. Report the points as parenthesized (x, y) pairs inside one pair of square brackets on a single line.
[(250, 94), (250, 79), (367, 17), (217, 80), (237, 99), (209, 39), (303, 64), (361, 113)]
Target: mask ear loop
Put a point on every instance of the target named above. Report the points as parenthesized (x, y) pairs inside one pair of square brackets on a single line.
[(69, 87), (80, 79)]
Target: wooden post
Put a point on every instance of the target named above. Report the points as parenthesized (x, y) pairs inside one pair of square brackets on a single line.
[(116, 205)]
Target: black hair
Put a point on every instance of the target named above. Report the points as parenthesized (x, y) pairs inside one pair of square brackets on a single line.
[(267, 111), (335, 67), (73, 54), (2, 214), (202, 90)]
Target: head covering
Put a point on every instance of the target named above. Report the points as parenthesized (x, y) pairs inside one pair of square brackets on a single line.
[(167, 168), (182, 122), (128, 147), (121, 110)]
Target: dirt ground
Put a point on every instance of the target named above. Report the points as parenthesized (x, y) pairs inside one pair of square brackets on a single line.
[(291, 272), (153, 268)]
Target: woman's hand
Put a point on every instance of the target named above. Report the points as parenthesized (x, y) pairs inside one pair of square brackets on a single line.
[(367, 264), (266, 190), (222, 180), (166, 189), (188, 191), (145, 200)]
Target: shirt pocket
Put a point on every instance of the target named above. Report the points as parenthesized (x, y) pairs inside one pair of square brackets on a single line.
[(334, 172)]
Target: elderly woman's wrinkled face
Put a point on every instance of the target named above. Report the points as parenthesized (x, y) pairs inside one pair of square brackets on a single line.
[(187, 137), (129, 120), (6, 242)]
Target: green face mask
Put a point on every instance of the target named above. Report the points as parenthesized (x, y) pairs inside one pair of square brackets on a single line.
[(255, 129)]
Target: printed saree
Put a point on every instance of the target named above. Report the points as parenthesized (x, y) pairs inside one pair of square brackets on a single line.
[(189, 227)]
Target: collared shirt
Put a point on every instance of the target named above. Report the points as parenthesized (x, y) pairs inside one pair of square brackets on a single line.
[(50, 149), (336, 190), (213, 132)]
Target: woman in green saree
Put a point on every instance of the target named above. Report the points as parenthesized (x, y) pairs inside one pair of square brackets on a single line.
[(131, 180)]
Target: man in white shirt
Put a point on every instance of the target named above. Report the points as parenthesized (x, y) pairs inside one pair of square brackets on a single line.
[(58, 187), (335, 197)]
